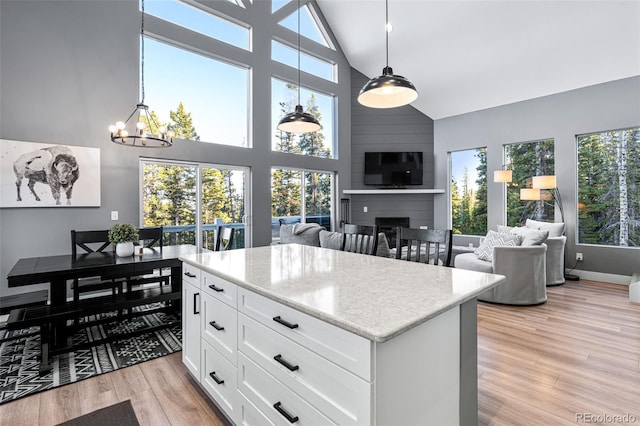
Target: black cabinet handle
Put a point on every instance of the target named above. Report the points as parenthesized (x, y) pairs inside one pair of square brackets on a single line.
[(216, 326), (214, 288), (196, 304), (215, 378), (278, 407), (285, 323), (190, 275), (291, 367)]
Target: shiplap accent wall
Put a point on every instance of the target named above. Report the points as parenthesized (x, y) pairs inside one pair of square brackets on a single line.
[(396, 129)]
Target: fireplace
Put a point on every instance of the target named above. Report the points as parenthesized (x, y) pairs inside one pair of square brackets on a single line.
[(388, 225)]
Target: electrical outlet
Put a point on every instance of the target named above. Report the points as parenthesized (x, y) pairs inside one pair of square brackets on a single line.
[(114, 215), (579, 257), (365, 209)]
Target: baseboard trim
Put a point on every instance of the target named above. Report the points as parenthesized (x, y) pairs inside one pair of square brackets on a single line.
[(601, 276)]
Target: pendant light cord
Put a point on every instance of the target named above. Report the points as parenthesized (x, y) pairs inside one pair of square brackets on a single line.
[(386, 29), (142, 54), (299, 53)]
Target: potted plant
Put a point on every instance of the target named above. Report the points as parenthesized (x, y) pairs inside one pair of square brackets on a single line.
[(122, 235)]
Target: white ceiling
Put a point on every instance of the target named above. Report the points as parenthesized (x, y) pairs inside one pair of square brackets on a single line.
[(465, 56)]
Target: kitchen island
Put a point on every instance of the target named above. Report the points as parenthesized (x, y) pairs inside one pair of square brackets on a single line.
[(299, 334)]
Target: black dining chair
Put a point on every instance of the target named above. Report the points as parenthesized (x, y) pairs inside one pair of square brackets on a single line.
[(86, 242), (151, 238), (360, 239), (424, 245), (224, 238)]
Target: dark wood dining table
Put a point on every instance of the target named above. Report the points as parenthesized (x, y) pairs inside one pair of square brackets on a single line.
[(57, 270)]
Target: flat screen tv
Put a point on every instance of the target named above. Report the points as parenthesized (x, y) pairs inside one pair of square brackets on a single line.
[(392, 169)]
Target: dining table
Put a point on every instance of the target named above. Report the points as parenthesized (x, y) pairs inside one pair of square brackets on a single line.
[(57, 270)]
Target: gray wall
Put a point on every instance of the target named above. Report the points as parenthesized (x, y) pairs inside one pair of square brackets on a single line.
[(396, 129), (69, 68), (561, 116)]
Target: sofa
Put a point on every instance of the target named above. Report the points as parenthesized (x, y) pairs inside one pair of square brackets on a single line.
[(524, 267), (312, 234)]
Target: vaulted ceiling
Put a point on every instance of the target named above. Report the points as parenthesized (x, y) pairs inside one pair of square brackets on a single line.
[(468, 55)]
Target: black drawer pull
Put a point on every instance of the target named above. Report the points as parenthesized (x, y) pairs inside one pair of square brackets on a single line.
[(196, 304), (285, 363), (190, 275), (285, 323), (214, 288), (216, 326), (278, 407), (215, 378)]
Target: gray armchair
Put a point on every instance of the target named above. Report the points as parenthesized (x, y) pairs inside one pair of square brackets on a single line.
[(523, 266), (555, 260)]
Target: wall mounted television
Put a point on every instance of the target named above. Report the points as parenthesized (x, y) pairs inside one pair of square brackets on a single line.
[(393, 169)]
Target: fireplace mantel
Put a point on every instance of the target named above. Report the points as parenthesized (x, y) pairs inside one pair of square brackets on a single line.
[(393, 191)]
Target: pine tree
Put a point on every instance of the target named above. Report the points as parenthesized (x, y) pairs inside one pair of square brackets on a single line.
[(182, 124)]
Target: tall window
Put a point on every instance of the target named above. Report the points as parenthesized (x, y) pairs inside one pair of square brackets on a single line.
[(469, 191), (284, 97), (200, 98), (300, 196), (172, 192), (609, 188), (527, 160)]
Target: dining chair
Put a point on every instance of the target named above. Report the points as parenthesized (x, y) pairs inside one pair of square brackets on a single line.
[(360, 239), (224, 238), (85, 242), (151, 238), (424, 245)]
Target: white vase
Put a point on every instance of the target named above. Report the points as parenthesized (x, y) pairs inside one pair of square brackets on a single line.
[(124, 249)]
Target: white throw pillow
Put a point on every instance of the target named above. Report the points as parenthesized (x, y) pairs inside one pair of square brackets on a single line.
[(496, 239), (555, 229), (530, 236)]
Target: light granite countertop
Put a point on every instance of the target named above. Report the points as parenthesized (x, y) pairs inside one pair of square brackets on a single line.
[(374, 297)]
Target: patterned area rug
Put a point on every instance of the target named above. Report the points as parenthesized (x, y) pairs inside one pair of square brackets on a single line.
[(19, 359)]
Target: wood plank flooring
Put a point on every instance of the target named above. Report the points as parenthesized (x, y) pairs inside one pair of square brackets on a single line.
[(577, 354)]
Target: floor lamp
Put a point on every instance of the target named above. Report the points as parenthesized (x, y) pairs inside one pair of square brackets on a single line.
[(546, 183)]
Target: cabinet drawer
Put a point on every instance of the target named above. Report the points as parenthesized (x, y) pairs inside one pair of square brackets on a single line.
[(249, 415), (274, 399), (220, 326), (191, 274), (220, 289), (340, 395), (340, 346), (219, 379)]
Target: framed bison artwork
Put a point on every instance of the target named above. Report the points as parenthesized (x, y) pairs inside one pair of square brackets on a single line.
[(48, 175)]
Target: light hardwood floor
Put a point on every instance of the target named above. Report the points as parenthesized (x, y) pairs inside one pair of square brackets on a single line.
[(577, 354)]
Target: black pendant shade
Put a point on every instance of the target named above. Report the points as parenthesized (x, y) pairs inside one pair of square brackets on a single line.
[(299, 122), (388, 90)]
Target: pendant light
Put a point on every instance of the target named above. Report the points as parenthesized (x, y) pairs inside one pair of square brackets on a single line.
[(299, 121), (388, 90), (140, 129)]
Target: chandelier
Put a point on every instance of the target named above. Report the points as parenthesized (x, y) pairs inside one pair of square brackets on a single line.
[(141, 129)]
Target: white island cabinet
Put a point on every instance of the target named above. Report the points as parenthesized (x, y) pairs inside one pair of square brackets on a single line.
[(293, 334)]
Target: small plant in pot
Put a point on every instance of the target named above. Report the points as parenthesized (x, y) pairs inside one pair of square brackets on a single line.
[(122, 236)]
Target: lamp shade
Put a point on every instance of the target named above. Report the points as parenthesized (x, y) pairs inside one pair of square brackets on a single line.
[(530, 194), (544, 182), (387, 91), (299, 122), (503, 175)]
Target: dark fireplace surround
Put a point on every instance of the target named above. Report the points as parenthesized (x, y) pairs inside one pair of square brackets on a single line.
[(388, 225)]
